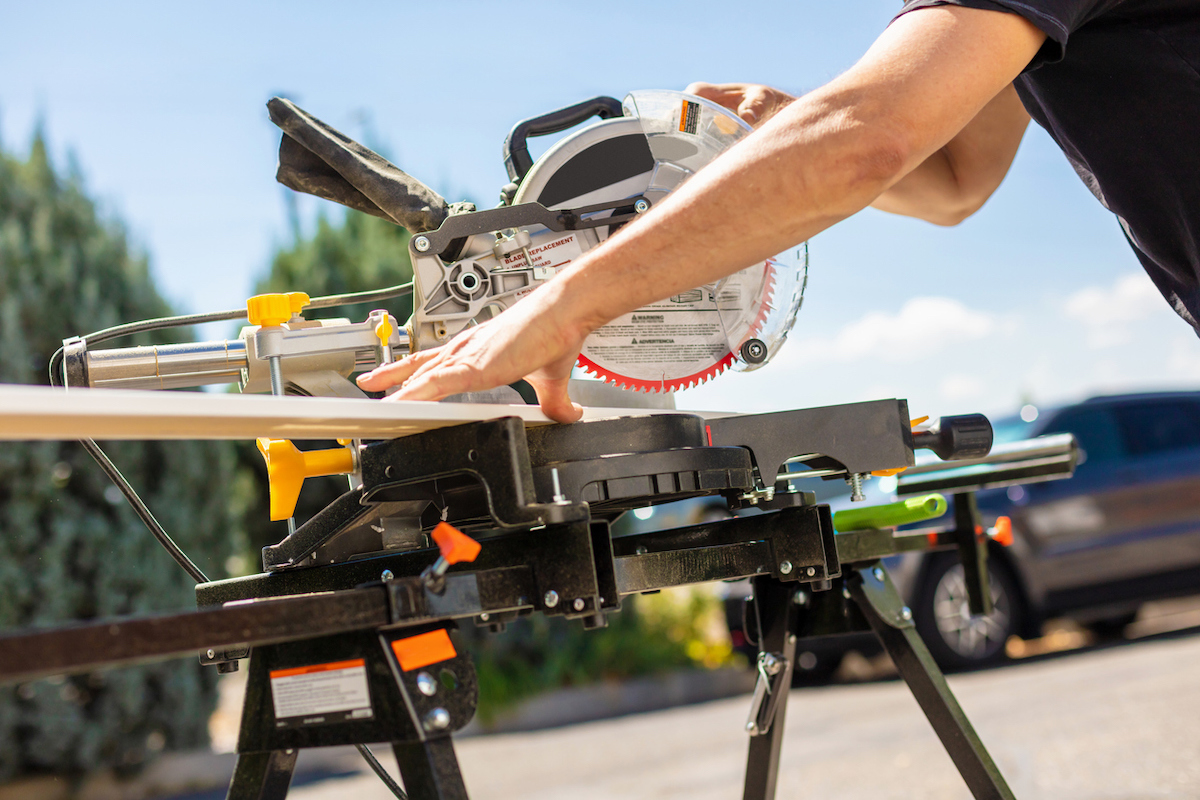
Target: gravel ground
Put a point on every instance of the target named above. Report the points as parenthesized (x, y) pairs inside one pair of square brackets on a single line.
[(1117, 723)]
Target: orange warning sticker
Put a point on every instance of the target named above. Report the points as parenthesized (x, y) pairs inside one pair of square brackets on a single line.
[(423, 649), (287, 673), (689, 117)]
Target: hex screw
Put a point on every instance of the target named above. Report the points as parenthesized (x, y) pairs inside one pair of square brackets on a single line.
[(426, 684), (387, 575), (785, 567), (878, 573), (421, 243), (811, 571), (485, 616), (436, 720), (550, 599), (641, 205), (906, 613), (578, 604), (211, 653)]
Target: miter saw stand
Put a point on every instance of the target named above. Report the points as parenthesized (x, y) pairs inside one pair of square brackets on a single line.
[(348, 642)]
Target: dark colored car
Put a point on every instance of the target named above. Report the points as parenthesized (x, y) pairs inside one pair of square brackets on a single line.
[(1124, 530)]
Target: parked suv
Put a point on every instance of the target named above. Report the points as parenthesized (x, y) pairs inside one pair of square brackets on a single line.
[(1125, 529)]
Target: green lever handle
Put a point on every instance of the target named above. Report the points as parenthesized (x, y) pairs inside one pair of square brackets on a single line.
[(914, 509)]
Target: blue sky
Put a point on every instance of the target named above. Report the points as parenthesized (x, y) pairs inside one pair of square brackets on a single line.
[(1036, 297)]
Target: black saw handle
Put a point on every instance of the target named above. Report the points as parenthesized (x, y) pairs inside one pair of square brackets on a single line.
[(516, 153)]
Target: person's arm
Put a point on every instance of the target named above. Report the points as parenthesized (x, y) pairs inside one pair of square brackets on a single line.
[(954, 182), (946, 188), (819, 160)]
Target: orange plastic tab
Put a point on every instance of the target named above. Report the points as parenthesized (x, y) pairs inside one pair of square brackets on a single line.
[(915, 422), (423, 649), (1002, 533), (455, 545), (887, 473)]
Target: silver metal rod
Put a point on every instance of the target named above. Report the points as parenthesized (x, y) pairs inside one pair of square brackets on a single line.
[(174, 366), (1059, 446)]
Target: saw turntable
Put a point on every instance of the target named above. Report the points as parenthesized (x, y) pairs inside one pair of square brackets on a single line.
[(481, 511)]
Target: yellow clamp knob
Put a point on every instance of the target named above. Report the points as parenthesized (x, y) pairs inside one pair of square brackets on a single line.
[(287, 467), (384, 330), (274, 309)]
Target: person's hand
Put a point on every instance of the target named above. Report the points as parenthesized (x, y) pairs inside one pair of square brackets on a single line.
[(530, 340), (752, 102)]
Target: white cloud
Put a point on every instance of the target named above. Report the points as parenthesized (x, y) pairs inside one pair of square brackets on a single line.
[(1106, 311), (956, 388), (922, 326)]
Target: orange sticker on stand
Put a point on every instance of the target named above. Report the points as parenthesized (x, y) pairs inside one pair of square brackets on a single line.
[(423, 649)]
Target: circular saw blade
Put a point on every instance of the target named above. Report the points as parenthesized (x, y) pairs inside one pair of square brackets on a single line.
[(684, 340), (687, 339)]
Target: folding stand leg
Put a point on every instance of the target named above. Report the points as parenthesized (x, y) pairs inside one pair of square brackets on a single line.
[(430, 770), (776, 634), (891, 620), (262, 776)]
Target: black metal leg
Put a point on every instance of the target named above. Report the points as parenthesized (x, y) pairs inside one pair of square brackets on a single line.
[(972, 551), (262, 776), (776, 634), (891, 620), (430, 770)]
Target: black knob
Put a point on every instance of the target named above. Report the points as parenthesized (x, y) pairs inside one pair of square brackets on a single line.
[(956, 438), (754, 351)]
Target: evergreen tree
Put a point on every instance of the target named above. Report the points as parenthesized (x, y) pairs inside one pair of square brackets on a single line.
[(70, 547)]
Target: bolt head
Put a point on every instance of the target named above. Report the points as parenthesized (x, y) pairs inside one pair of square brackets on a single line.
[(550, 599), (878, 573), (906, 613), (426, 684), (641, 206), (751, 728), (811, 571), (436, 720), (485, 616), (785, 567), (387, 575), (422, 244), (212, 653), (578, 604), (845, 593)]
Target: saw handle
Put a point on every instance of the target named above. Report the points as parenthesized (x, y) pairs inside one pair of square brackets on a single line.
[(516, 154), (957, 438)]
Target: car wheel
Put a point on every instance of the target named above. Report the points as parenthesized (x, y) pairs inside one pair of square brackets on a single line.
[(955, 638)]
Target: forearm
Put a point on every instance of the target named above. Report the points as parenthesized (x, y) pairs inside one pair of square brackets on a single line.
[(815, 163), (957, 180)]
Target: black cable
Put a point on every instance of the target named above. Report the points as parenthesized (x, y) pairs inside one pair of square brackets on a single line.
[(139, 508), (387, 779)]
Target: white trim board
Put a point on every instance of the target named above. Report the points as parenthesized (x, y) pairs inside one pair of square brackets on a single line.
[(40, 413)]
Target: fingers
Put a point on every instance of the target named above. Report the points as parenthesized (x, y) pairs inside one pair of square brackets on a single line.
[(553, 398), (395, 373)]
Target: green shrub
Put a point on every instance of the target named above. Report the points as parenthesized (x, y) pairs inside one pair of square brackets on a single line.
[(70, 547)]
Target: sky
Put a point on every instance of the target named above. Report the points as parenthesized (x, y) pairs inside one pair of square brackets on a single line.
[(1037, 298)]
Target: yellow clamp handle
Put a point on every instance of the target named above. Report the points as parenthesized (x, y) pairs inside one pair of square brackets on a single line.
[(383, 331), (287, 468), (274, 309)]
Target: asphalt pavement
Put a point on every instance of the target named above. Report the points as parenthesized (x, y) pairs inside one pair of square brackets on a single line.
[(1116, 722)]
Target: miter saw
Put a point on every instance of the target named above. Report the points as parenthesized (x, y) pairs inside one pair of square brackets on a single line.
[(470, 265), (347, 628)]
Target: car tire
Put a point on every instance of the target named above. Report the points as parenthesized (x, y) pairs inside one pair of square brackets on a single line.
[(955, 638)]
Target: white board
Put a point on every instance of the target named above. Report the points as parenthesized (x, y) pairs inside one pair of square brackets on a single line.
[(32, 413)]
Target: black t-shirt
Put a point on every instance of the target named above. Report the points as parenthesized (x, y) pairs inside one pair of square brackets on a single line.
[(1117, 87)]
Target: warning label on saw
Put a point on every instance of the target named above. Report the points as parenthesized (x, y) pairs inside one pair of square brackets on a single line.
[(552, 254), (684, 339), (320, 694)]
